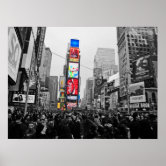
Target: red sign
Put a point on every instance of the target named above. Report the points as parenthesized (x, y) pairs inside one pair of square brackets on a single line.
[(74, 54), (72, 87)]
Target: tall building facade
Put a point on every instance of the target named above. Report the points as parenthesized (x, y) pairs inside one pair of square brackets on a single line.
[(104, 58), (111, 71), (88, 91), (53, 89), (23, 61), (137, 50), (44, 70)]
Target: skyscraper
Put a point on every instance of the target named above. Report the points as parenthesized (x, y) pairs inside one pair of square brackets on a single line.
[(44, 70), (104, 58)]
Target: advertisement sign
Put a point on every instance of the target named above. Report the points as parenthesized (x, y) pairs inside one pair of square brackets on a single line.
[(44, 99), (70, 105), (62, 106), (97, 72), (73, 70), (137, 92), (62, 82), (62, 94), (142, 68), (74, 43), (62, 100), (74, 55), (62, 90), (21, 98), (140, 105), (72, 97), (58, 105), (72, 87), (14, 54)]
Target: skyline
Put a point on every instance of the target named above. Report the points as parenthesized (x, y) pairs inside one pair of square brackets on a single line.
[(91, 38)]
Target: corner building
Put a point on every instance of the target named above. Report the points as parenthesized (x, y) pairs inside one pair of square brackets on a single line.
[(137, 50)]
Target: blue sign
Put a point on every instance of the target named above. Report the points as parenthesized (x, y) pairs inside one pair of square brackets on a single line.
[(74, 43), (78, 97)]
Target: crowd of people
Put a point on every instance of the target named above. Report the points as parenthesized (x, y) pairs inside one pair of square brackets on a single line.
[(83, 124)]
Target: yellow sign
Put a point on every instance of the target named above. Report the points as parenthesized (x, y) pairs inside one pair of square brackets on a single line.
[(58, 105)]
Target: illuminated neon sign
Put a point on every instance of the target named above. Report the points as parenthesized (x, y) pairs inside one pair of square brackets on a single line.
[(74, 54), (73, 70), (74, 43), (72, 87)]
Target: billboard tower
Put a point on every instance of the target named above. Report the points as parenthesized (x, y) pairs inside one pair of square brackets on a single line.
[(72, 75)]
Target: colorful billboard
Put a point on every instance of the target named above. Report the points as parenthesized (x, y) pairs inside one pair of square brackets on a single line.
[(21, 98), (62, 82), (137, 92), (74, 43), (62, 94), (62, 106), (72, 87), (62, 100), (58, 105), (14, 54), (73, 70), (74, 55)]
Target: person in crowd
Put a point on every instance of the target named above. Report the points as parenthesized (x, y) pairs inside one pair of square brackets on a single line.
[(30, 133), (135, 127)]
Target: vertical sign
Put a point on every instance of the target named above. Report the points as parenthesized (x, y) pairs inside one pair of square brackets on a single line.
[(72, 77), (14, 53)]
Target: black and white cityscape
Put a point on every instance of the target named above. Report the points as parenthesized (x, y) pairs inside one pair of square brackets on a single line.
[(82, 83)]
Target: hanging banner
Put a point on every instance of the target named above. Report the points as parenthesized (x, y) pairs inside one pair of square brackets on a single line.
[(73, 70), (72, 87), (14, 54), (137, 92), (74, 55)]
